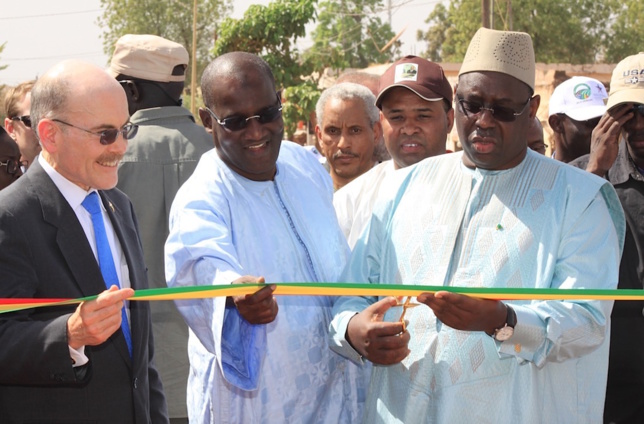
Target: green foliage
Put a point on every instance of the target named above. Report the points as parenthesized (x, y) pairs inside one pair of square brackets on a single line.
[(271, 32), (171, 19), (300, 101), (350, 35), (439, 23), (1, 50), (568, 31), (627, 31)]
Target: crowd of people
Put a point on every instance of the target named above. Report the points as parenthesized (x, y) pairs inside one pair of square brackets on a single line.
[(108, 185)]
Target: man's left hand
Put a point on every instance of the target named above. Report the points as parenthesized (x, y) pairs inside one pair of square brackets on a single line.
[(466, 313)]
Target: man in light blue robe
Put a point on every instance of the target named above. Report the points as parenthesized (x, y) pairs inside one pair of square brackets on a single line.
[(258, 207), (495, 215)]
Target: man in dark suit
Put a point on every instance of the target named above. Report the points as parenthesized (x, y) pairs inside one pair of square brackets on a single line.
[(89, 363)]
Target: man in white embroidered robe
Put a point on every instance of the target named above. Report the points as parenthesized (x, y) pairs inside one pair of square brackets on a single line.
[(495, 215)]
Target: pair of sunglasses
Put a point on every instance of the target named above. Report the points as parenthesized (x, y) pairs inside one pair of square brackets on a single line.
[(238, 123), (14, 165), (25, 119), (638, 108), (500, 113), (107, 137)]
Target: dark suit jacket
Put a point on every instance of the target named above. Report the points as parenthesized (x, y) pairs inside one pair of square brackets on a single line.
[(44, 253)]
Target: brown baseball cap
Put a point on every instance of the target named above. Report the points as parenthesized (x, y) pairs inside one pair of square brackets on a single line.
[(148, 57), (426, 79)]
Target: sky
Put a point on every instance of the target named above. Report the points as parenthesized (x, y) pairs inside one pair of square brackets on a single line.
[(40, 33)]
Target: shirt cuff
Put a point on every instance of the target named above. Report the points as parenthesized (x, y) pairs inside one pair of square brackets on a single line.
[(337, 337), (78, 356)]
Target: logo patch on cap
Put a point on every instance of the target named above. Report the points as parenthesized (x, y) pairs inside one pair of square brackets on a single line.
[(582, 91), (406, 72)]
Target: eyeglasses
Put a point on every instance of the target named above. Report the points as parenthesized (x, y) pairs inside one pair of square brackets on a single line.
[(238, 123), (14, 165), (500, 113), (107, 137), (638, 108), (26, 119)]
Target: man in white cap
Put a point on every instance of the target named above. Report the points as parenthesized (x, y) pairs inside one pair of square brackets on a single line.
[(496, 215), (159, 159), (617, 154), (575, 108), (415, 102)]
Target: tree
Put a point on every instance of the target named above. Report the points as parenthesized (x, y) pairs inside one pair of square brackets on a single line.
[(1, 50), (435, 36), (627, 31), (171, 19), (272, 32), (351, 35), (570, 31)]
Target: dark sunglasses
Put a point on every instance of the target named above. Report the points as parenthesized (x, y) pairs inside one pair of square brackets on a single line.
[(14, 165), (107, 136), (500, 113), (638, 108), (26, 119), (238, 123)]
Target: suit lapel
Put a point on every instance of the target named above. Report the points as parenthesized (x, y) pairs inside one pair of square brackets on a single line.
[(70, 237)]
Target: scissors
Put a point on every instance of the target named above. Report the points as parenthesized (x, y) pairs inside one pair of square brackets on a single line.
[(406, 305)]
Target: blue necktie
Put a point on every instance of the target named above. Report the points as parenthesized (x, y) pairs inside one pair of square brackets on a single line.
[(105, 260)]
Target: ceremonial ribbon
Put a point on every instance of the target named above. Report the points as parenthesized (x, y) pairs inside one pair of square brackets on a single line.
[(339, 289)]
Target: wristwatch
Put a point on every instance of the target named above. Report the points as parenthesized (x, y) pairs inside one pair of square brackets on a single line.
[(504, 333)]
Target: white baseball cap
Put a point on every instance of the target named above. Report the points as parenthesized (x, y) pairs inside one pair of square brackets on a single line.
[(581, 98)]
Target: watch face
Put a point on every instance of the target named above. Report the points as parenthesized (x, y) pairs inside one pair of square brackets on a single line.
[(502, 334)]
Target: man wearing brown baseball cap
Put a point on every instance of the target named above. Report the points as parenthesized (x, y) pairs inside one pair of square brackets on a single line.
[(415, 102), (159, 159), (617, 154)]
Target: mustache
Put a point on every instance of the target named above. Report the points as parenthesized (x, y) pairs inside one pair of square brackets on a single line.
[(411, 139), (110, 157), (480, 132), (341, 153)]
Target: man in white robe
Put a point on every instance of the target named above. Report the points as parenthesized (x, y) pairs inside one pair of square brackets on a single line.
[(495, 215), (415, 102), (258, 209)]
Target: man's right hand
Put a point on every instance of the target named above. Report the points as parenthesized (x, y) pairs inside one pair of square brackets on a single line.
[(379, 341), (604, 143), (95, 321), (259, 307)]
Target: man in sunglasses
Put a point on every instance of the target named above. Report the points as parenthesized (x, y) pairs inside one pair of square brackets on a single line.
[(535, 137), (573, 113), (617, 154), (498, 216), (10, 165), (258, 209), (17, 102), (66, 232), (160, 157)]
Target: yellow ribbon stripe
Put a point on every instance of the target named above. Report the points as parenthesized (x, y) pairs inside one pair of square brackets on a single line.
[(339, 289)]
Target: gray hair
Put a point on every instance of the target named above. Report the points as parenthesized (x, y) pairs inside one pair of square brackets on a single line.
[(348, 91), (48, 97)]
